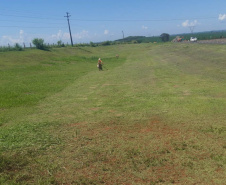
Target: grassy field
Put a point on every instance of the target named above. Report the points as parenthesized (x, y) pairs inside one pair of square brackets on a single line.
[(155, 115)]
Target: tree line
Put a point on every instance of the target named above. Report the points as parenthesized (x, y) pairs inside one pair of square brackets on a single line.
[(164, 37)]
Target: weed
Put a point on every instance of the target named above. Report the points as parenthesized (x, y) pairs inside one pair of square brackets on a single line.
[(82, 180), (133, 153), (217, 130), (154, 161), (219, 158), (188, 164), (180, 146), (12, 163)]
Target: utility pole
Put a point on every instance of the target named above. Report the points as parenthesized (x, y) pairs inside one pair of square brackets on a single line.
[(191, 28), (69, 27), (122, 34)]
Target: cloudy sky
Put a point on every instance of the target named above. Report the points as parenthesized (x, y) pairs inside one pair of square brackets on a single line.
[(99, 20)]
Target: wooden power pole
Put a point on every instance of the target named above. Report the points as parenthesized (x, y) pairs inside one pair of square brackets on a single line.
[(122, 34), (69, 27)]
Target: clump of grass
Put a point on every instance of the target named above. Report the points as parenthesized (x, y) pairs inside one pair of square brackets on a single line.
[(12, 163), (215, 129), (84, 180)]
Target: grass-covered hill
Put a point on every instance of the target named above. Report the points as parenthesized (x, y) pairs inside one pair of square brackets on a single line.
[(185, 36), (154, 115)]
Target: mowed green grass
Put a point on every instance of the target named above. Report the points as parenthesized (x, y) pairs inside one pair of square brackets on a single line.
[(156, 116)]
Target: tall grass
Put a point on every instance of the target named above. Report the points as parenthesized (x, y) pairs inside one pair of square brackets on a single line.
[(16, 47)]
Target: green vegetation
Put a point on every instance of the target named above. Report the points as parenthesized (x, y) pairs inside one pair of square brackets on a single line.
[(185, 36), (206, 35), (156, 114), (39, 44), (140, 39), (165, 37), (16, 47)]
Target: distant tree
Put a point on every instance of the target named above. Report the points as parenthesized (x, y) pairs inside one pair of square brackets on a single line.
[(165, 37), (39, 44), (92, 44), (59, 43), (106, 43), (18, 47), (134, 42)]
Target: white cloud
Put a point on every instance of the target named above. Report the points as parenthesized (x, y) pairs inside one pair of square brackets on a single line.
[(10, 40), (57, 36), (81, 35), (222, 17), (6, 39), (188, 23), (106, 32), (21, 32), (144, 27), (66, 36), (21, 39)]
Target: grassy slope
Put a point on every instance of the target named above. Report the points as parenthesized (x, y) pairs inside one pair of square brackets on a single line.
[(156, 116)]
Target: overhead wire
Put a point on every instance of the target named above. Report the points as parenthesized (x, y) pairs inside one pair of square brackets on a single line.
[(137, 20), (110, 20), (20, 14), (30, 17), (26, 27)]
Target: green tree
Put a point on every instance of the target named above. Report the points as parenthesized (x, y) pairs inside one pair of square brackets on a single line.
[(92, 44), (39, 43), (106, 43), (59, 43), (165, 37)]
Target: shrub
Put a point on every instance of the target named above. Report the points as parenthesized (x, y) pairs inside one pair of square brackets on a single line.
[(92, 44), (134, 42), (18, 47), (106, 43), (39, 44), (165, 37), (60, 43)]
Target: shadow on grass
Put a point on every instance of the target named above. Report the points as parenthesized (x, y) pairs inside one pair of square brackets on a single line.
[(11, 164)]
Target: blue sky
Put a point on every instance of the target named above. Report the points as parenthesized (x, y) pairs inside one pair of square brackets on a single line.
[(99, 20)]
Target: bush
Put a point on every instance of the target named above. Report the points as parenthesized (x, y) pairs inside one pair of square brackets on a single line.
[(134, 42), (39, 44), (60, 43), (106, 43), (92, 44), (18, 47), (165, 37)]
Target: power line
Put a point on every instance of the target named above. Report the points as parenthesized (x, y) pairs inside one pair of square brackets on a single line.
[(12, 21), (138, 20), (30, 17), (26, 27), (113, 20), (22, 12)]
